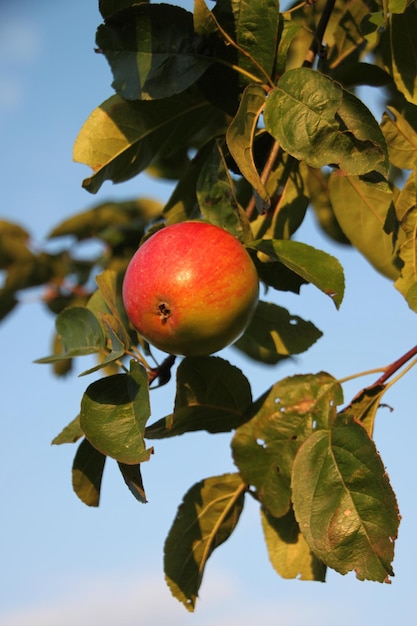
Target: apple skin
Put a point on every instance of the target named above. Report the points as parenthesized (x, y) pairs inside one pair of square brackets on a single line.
[(190, 289)]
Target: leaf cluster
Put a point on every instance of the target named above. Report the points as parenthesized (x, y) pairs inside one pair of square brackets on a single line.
[(253, 112)]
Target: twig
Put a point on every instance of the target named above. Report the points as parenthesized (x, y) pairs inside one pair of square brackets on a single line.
[(316, 44)]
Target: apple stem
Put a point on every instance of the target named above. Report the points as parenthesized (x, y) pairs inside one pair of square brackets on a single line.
[(162, 372)]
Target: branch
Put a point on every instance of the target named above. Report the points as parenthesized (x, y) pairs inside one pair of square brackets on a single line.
[(316, 44)]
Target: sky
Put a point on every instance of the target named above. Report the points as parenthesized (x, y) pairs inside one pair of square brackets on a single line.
[(64, 563)]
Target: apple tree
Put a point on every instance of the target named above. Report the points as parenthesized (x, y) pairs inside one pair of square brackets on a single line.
[(251, 109)]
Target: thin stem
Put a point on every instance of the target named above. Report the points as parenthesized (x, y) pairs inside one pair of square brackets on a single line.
[(272, 157), (398, 364), (233, 43), (316, 44)]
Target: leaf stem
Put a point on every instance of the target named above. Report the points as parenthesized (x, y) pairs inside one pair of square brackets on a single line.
[(272, 157), (316, 44)]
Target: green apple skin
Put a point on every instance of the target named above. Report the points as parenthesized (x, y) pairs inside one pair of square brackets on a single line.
[(190, 289)]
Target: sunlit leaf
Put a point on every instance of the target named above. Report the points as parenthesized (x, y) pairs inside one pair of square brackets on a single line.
[(81, 333), (406, 283), (87, 473), (265, 447), (121, 138), (317, 121), (344, 503), (401, 139), (70, 434), (114, 411), (211, 395), (206, 518), (354, 202), (365, 405), (240, 137), (315, 266), (274, 334), (288, 551)]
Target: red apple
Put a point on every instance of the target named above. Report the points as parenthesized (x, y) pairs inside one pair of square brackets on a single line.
[(190, 289)]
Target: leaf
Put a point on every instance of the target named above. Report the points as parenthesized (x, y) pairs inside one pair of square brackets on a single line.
[(81, 333), (121, 138), (216, 197), (287, 31), (117, 351), (406, 283), (288, 551), (317, 121), (344, 503), (314, 266), (240, 137), (87, 473), (152, 50), (274, 334), (401, 47), (211, 395), (318, 192), (401, 139), (109, 283), (365, 405), (114, 411), (133, 479), (354, 202), (70, 434), (264, 448), (205, 519)]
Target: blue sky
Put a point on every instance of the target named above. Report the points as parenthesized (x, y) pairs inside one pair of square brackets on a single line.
[(64, 563)]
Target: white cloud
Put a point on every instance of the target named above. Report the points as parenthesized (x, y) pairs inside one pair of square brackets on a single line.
[(124, 600)]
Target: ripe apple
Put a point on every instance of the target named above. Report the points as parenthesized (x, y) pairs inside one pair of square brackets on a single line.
[(190, 289)]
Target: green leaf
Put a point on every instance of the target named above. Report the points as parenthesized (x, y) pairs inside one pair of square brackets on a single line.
[(406, 283), (211, 395), (344, 503), (206, 518), (287, 31), (70, 434), (288, 551), (87, 473), (314, 266), (121, 138), (81, 334), (317, 121), (114, 411), (401, 139), (117, 351), (152, 50), (109, 284), (265, 447), (354, 202), (274, 334), (365, 405), (133, 479), (318, 192), (240, 136), (216, 197), (401, 44)]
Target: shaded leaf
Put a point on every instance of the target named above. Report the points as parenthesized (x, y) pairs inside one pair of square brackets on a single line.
[(317, 121), (265, 447), (354, 202), (133, 479), (406, 283), (401, 47), (288, 551), (87, 473), (211, 395), (315, 266), (152, 50), (206, 518), (344, 503), (216, 197), (274, 334), (114, 411)]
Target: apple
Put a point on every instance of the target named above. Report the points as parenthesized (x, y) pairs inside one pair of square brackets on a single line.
[(190, 289)]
